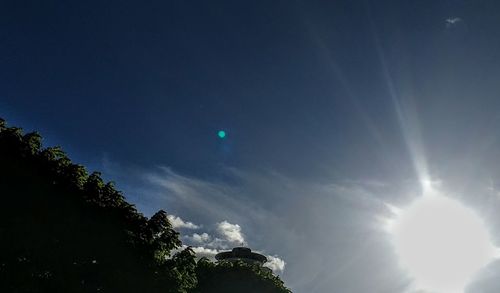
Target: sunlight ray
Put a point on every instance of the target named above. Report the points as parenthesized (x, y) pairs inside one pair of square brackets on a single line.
[(407, 116)]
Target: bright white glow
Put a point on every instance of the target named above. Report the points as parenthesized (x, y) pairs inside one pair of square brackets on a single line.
[(440, 243)]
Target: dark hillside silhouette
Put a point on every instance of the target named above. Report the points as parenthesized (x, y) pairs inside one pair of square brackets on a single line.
[(64, 230)]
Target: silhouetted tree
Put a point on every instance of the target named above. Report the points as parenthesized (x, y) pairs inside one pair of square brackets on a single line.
[(63, 230), (228, 277)]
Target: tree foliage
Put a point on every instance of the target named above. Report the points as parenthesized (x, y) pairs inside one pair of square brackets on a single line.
[(64, 230), (228, 277)]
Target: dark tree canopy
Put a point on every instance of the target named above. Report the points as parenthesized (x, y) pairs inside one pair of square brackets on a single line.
[(229, 277), (64, 230)]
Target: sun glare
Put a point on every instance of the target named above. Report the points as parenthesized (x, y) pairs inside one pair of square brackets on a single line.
[(440, 243)]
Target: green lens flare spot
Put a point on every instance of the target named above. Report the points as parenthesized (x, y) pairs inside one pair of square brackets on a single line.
[(221, 133)]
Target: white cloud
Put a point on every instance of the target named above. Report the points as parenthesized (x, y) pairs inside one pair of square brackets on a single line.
[(199, 238), (177, 222), (231, 232), (227, 236), (275, 263), (205, 252), (200, 251)]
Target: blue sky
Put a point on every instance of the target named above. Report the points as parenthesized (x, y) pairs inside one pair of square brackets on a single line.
[(331, 108)]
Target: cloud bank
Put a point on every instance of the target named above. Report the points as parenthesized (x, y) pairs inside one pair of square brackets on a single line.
[(227, 236)]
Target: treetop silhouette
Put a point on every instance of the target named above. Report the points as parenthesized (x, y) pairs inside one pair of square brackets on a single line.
[(65, 230)]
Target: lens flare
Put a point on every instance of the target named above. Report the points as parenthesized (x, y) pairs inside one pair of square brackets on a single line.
[(221, 134)]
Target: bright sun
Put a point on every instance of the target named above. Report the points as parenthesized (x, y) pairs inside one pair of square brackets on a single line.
[(440, 243)]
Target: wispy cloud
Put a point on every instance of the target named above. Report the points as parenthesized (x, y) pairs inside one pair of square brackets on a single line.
[(275, 214), (244, 212), (217, 200), (453, 21)]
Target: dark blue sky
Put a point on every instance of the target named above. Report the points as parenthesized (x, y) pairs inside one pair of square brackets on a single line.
[(152, 82), (312, 94)]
